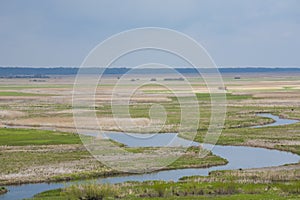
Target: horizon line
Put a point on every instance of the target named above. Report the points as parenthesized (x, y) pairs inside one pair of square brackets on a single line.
[(69, 66)]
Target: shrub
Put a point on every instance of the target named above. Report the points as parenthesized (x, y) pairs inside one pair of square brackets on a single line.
[(160, 189), (92, 191)]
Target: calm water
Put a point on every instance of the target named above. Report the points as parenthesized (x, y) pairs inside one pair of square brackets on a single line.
[(238, 157), (150, 140), (278, 121)]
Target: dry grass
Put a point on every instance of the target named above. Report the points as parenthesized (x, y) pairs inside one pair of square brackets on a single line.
[(263, 175), (9, 114), (44, 162), (83, 122)]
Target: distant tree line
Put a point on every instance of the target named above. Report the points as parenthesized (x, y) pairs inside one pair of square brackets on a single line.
[(30, 71)]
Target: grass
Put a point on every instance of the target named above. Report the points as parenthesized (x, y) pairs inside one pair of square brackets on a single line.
[(92, 191), (14, 162), (181, 190), (31, 86), (225, 197), (20, 94), (3, 190), (272, 135), (99, 171), (41, 153), (50, 195), (229, 197), (188, 160), (238, 114), (241, 110), (22, 137), (290, 148), (234, 133), (249, 176), (263, 184), (229, 96), (48, 163), (26, 150), (191, 160)]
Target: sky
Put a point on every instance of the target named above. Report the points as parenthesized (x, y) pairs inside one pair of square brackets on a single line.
[(234, 32)]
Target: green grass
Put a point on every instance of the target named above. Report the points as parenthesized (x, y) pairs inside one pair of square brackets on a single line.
[(3, 190), (22, 137), (31, 86), (229, 197), (229, 96), (181, 190), (192, 160), (49, 195), (225, 197), (20, 94), (272, 134)]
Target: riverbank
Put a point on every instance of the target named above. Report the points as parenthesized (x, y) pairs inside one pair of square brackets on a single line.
[(276, 183), (3, 190), (212, 187), (29, 159), (30, 162), (65, 159), (239, 158)]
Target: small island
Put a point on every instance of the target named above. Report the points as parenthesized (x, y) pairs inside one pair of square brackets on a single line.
[(3, 190)]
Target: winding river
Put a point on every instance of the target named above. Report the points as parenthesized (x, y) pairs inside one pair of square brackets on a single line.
[(277, 120), (237, 156)]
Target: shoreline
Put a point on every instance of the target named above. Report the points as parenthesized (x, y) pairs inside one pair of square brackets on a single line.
[(86, 175), (3, 190), (95, 175)]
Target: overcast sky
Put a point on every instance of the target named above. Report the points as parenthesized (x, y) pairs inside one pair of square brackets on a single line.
[(234, 32)]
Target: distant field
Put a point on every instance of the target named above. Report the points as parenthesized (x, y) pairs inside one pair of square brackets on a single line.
[(40, 153), (20, 94), (31, 86)]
